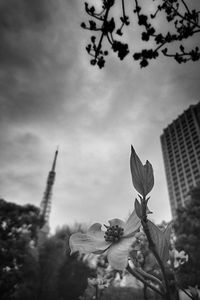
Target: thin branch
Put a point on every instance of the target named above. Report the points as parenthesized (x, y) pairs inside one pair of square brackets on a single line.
[(100, 13), (149, 276), (196, 31), (190, 296), (93, 29), (123, 8), (181, 16), (95, 16), (136, 7), (99, 45), (160, 46), (141, 278), (186, 7), (102, 35), (109, 40)]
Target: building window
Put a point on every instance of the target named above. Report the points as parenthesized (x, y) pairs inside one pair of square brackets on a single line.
[(195, 171), (187, 170)]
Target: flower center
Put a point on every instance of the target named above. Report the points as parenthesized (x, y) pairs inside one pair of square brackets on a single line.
[(113, 233)]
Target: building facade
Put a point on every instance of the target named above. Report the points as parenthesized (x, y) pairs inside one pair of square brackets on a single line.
[(180, 143)]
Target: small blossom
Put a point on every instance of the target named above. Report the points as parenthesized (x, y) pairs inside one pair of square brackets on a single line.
[(100, 281), (142, 175), (178, 258), (115, 241)]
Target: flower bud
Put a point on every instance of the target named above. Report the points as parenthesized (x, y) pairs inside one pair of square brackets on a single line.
[(142, 175)]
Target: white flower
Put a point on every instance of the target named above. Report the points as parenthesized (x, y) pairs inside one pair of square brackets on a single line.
[(116, 241), (178, 258)]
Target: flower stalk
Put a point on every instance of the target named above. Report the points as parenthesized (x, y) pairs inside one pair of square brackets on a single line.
[(139, 276), (152, 247), (148, 276)]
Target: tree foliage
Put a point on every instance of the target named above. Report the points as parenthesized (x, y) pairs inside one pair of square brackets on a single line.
[(182, 22), (61, 275), (187, 228), (18, 228), (29, 271), (72, 280), (51, 255)]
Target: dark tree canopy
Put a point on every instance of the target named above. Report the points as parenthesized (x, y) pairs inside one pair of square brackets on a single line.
[(18, 227), (32, 272), (61, 275), (109, 27), (72, 280), (187, 228)]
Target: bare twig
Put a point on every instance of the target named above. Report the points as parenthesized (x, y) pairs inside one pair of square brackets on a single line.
[(141, 278)]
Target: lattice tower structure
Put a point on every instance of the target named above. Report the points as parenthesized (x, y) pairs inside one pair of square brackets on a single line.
[(45, 206)]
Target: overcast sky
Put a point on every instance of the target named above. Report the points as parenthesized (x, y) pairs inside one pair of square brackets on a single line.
[(50, 95)]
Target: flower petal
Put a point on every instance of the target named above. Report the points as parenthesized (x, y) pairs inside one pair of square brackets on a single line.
[(118, 222), (132, 225), (118, 253), (91, 242), (95, 230)]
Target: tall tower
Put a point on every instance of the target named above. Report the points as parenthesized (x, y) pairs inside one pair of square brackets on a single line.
[(181, 153), (45, 205)]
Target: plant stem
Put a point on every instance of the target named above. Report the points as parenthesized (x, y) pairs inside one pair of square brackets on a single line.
[(152, 247), (149, 277), (141, 278)]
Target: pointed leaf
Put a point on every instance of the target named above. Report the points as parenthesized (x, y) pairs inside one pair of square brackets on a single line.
[(136, 171), (138, 209), (168, 232), (142, 175), (149, 178), (132, 225), (161, 244)]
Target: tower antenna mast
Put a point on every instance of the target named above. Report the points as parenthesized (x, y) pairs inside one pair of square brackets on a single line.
[(45, 205)]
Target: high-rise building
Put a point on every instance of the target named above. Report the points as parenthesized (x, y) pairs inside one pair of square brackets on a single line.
[(181, 153)]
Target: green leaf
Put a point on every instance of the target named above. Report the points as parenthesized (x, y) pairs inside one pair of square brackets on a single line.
[(167, 233), (161, 240), (142, 175), (138, 209)]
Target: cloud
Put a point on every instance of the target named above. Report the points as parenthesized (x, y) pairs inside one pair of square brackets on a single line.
[(37, 61)]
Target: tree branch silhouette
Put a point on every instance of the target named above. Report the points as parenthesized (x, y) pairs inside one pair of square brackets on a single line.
[(183, 24)]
